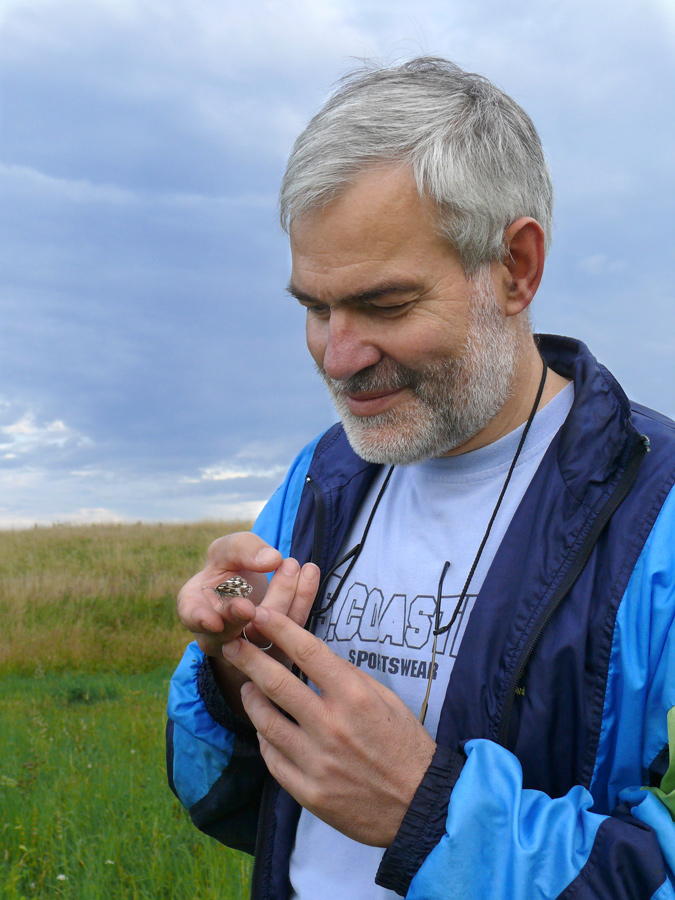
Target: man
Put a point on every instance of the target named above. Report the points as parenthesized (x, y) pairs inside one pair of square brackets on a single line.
[(491, 677)]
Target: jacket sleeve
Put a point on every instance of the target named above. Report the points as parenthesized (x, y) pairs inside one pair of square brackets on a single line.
[(473, 831), (213, 763)]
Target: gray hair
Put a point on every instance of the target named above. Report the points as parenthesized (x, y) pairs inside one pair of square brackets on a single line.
[(472, 149)]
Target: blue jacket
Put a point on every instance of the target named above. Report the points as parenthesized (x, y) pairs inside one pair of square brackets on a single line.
[(557, 711)]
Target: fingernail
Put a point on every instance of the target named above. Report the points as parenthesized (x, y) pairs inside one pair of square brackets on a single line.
[(310, 571), (246, 689), (261, 615), (268, 556), (206, 627), (289, 566), (230, 649)]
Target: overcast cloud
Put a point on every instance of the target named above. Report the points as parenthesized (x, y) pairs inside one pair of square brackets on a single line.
[(152, 366)]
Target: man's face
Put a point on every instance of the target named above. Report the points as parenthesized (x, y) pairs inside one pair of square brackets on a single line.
[(418, 358)]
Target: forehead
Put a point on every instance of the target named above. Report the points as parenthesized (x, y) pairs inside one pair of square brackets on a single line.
[(379, 227)]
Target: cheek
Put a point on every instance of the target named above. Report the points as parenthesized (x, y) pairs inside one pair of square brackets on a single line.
[(417, 346), (316, 337)]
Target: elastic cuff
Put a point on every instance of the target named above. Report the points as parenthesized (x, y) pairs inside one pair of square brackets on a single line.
[(423, 825), (215, 703)]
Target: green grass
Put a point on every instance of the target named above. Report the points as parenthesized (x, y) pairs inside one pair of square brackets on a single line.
[(85, 810)]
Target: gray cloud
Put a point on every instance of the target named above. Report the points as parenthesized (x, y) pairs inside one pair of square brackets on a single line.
[(151, 365)]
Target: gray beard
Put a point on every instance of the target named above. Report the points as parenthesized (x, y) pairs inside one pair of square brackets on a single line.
[(454, 398)]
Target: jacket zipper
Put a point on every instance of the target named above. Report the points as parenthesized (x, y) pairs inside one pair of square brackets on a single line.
[(266, 799), (319, 520), (639, 450), (261, 840)]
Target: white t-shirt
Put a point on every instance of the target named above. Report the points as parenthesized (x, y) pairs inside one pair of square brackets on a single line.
[(384, 616)]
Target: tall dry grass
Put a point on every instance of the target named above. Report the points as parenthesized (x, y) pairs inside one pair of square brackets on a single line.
[(97, 598)]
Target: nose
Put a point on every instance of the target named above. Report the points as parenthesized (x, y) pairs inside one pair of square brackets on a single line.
[(346, 345)]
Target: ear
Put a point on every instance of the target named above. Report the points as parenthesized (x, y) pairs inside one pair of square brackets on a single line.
[(523, 263)]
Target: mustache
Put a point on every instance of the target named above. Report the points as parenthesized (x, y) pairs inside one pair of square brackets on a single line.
[(384, 376)]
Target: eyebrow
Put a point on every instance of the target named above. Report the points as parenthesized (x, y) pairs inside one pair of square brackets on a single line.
[(365, 296)]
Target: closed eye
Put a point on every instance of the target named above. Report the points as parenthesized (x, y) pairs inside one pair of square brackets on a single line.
[(387, 310), (379, 301), (318, 310), (377, 308)]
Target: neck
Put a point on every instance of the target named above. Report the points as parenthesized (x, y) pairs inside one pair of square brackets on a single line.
[(517, 408)]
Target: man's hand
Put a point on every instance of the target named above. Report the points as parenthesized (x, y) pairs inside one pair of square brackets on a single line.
[(214, 620), (354, 754), (203, 612)]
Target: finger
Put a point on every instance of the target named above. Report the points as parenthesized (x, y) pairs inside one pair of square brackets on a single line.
[(283, 586), (273, 678), (291, 592), (242, 550), (273, 725), (284, 771), (309, 653), (308, 585), (236, 612), (279, 594), (206, 612), (200, 609)]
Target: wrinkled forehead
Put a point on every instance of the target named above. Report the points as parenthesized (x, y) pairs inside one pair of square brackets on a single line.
[(376, 221)]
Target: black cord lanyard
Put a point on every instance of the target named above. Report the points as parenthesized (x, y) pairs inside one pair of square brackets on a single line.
[(438, 630), (353, 554)]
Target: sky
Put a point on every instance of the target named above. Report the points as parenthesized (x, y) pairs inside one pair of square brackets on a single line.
[(152, 366)]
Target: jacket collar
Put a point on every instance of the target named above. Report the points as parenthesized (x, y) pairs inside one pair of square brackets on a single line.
[(600, 415)]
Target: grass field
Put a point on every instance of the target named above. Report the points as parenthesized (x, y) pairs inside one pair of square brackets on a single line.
[(88, 643)]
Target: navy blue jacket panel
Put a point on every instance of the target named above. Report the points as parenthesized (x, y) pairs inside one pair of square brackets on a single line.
[(558, 700)]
